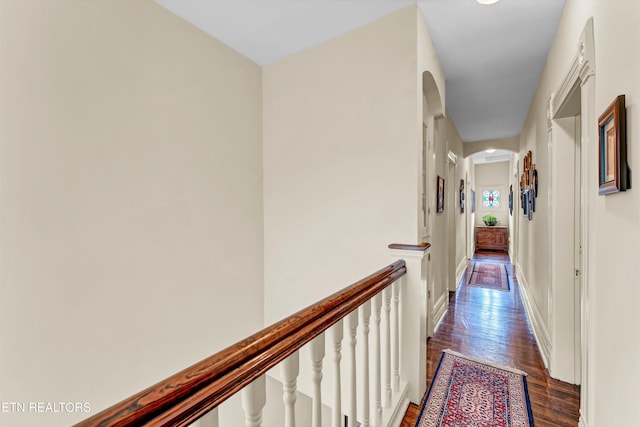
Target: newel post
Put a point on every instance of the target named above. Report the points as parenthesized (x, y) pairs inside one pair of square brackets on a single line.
[(413, 317)]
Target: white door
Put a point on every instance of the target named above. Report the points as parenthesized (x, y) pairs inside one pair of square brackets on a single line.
[(577, 210)]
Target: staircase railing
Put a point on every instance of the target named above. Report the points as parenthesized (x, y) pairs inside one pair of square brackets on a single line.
[(375, 389)]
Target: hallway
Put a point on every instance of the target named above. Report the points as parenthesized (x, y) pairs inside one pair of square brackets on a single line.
[(492, 325)]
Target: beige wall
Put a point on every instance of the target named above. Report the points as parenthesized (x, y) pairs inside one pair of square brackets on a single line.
[(493, 175), (614, 221), (130, 200), (341, 153)]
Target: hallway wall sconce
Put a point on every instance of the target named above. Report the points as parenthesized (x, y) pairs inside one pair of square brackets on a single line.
[(613, 172)]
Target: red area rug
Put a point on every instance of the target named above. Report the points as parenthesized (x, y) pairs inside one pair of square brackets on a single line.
[(469, 392), (489, 275)]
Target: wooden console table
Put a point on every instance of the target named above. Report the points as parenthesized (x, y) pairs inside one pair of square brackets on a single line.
[(492, 238)]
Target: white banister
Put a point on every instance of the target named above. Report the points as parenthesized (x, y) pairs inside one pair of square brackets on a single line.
[(360, 393), (352, 326), (317, 354), (395, 335), (254, 397), (386, 371), (377, 404), (335, 335), (290, 368), (365, 315)]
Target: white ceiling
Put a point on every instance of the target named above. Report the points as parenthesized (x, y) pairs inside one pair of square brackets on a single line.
[(492, 56)]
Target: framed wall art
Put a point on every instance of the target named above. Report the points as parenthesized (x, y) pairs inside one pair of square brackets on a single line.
[(528, 186), (613, 170), (511, 200), (440, 195), (462, 196)]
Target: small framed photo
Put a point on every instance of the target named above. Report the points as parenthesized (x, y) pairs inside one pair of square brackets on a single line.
[(462, 196), (612, 135), (440, 195), (525, 204)]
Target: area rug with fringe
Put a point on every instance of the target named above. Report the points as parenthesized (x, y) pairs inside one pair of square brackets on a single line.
[(470, 392), (489, 275)]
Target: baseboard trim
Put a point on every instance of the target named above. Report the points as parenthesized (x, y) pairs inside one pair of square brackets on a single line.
[(462, 267), (540, 332), (439, 310), (400, 409), (583, 422)]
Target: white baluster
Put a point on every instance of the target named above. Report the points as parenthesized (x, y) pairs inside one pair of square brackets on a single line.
[(387, 347), (254, 397), (210, 419), (352, 325), (336, 333), (395, 333), (317, 354), (377, 404), (290, 369), (365, 315)]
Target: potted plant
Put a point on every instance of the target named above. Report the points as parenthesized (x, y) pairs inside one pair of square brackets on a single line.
[(490, 219)]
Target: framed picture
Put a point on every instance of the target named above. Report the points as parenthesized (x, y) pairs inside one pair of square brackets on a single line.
[(532, 202), (511, 200), (462, 196), (525, 204), (440, 195), (612, 134), (473, 201)]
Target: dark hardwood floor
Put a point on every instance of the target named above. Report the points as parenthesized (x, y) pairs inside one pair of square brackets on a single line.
[(493, 325)]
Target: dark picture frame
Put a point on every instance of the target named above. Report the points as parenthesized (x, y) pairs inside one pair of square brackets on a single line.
[(511, 200), (462, 196), (528, 186), (525, 204), (440, 195), (613, 171)]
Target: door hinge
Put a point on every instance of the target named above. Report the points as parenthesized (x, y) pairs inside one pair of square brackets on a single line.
[(577, 273)]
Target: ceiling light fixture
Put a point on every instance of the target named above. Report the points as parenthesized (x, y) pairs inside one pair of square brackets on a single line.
[(490, 150), (487, 1)]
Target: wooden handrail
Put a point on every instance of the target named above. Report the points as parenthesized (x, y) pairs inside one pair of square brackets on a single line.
[(186, 396), (419, 247)]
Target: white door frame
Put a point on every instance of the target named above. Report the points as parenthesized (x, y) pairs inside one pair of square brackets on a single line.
[(581, 76)]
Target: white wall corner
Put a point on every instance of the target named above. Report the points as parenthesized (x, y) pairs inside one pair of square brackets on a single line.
[(543, 339), (414, 312)]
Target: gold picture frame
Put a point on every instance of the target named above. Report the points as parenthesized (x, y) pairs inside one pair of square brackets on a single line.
[(613, 171)]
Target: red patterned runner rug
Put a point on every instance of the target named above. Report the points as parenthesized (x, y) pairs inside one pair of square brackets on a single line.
[(469, 392), (489, 275)]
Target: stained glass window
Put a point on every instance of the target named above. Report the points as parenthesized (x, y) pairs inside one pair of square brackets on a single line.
[(491, 198)]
